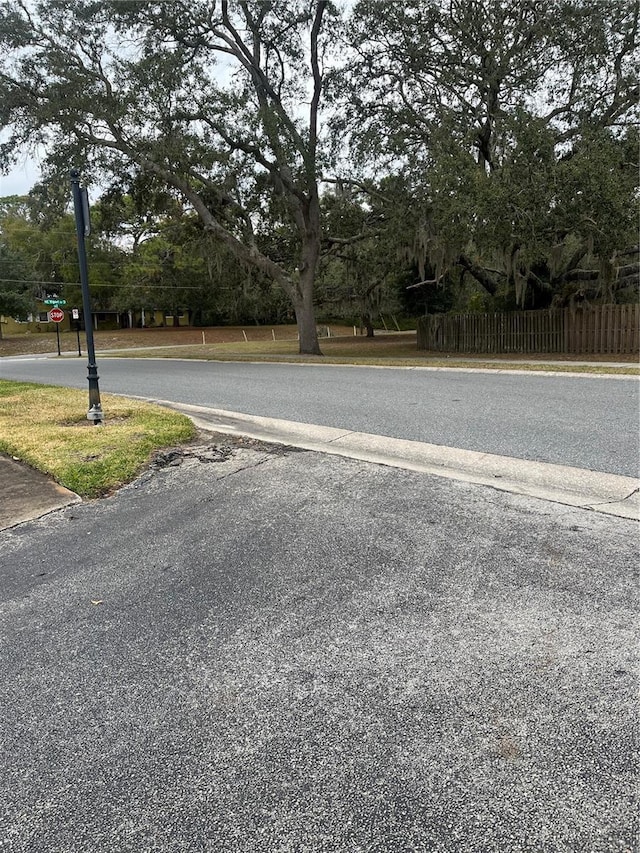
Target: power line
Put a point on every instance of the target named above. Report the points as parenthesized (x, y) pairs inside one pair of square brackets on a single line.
[(60, 285), (33, 281), (151, 286)]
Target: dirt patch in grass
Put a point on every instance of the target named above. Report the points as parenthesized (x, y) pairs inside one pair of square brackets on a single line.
[(84, 422)]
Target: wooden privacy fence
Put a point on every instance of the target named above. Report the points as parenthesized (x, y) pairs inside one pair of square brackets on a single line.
[(596, 329)]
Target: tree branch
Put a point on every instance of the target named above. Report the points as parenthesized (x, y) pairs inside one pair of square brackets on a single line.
[(479, 273), (427, 281), (317, 85)]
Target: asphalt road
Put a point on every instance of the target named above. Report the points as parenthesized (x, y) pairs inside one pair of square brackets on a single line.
[(283, 651), (584, 422)]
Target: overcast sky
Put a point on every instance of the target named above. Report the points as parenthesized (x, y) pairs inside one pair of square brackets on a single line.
[(20, 180)]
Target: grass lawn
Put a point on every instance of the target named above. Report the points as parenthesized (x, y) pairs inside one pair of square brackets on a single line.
[(227, 343), (395, 350), (169, 336), (46, 427)]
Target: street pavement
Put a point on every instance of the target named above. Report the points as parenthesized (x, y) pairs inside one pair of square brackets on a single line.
[(255, 648), (582, 421)]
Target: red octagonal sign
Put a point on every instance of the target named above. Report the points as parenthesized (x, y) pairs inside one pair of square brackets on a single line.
[(56, 315)]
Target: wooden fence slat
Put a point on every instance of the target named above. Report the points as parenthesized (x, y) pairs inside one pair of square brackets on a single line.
[(541, 337), (585, 330), (532, 331)]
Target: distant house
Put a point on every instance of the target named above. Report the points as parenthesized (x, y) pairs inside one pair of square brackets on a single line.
[(38, 320)]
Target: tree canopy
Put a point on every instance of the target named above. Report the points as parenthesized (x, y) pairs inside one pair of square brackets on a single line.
[(514, 122), (15, 277), (489, 148)]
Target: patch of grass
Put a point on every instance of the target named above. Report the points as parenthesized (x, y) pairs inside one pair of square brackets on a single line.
[(46, 427)]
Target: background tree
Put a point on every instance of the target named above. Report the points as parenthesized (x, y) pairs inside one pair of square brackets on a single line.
[(146, 252), (16, 290), (512, 123), (170, 262), (49, 250), (364, 268)]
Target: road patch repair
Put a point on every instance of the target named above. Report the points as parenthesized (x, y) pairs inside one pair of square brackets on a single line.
[(611, 494)]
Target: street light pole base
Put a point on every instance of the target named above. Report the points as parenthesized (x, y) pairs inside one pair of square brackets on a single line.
[(96, 415)]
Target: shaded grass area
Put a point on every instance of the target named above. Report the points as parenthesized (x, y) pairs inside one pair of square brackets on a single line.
[(383, 350), (45, 341), (227, 343), (46, 427)]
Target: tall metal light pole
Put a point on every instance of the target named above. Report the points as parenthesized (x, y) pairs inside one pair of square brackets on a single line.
[(83, 228)]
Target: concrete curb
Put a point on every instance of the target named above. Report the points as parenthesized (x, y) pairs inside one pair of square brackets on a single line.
[(607, 493)]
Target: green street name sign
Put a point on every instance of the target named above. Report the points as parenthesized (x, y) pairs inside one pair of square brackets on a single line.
[(55, 301)]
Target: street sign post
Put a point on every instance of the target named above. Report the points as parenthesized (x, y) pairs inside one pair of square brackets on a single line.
[(56, 315), (75, 315)]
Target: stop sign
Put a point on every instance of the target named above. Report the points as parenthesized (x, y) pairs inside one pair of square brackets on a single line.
[(56, 315)]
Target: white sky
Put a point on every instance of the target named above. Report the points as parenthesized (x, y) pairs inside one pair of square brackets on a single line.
[(20, 179)]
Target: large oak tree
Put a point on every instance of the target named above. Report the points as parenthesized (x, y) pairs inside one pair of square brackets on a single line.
[(220, 101)]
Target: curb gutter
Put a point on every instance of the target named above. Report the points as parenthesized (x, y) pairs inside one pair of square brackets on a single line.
[(611, 494)]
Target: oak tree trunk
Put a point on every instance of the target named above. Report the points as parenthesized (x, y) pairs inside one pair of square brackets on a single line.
[(303, 291), (367, 322), (305, 314)]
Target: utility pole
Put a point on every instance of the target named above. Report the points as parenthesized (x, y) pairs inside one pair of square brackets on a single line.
[(83, 229)]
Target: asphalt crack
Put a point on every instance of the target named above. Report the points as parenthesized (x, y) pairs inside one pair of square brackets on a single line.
[(247, 467), (210, 453), (339, 437)]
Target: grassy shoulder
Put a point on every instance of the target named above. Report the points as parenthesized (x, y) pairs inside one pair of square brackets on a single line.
[(279, 344), (46, 427), (383, 351)]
